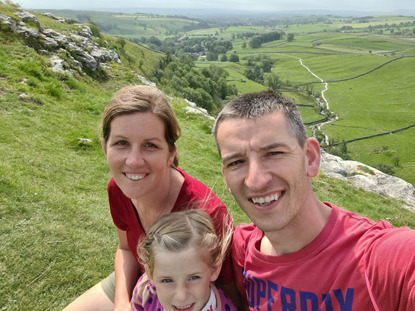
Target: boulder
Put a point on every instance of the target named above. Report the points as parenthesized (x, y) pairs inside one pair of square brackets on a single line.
[(368, 178)]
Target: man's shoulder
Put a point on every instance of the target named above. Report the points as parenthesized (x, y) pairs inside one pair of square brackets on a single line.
[(244, 231)]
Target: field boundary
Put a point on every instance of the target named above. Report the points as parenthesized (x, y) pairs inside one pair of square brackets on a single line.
[(374, 135), (359, 75)]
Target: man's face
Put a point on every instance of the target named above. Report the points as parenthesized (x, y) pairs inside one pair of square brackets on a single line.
[(266, 169)]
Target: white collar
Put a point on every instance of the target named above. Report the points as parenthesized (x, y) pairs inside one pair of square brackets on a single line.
[(211, 304)]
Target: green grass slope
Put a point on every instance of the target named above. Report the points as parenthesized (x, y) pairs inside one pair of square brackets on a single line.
[(56, 236)]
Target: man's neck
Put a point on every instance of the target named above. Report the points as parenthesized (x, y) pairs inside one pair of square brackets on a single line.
[(298, 233)]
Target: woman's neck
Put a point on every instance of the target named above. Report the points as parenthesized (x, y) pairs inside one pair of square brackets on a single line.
[(161, 202)]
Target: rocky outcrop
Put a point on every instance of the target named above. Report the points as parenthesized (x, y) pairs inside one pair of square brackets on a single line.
[(368, 178), (83, 51)]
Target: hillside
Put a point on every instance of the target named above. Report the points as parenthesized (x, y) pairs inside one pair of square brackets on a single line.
[(56, 236), (352, 71)]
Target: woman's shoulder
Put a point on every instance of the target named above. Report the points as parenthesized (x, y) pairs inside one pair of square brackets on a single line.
[(195, 191)]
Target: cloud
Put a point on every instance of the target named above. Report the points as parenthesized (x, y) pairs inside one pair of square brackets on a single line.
[(253, 5)]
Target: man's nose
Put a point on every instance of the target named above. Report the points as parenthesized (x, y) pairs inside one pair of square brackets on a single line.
[(257, 176)]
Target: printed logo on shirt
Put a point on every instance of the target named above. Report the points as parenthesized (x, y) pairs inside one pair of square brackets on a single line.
[(261, 293)]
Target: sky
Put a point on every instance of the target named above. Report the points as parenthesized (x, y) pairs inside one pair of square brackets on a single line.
[(381, 6)]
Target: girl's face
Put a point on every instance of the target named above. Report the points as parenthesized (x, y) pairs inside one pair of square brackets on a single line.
[(182, 280), (138, 154)]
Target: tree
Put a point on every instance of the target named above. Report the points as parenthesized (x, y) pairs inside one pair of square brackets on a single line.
[(212, 56), (234, 58), (255, 42), (290, 37), (224, 58), (273, 81)]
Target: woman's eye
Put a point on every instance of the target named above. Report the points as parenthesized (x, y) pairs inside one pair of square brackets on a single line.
[(121, 143), (150, 145)]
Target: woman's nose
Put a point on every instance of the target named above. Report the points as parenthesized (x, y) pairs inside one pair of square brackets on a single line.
[(135, 157)]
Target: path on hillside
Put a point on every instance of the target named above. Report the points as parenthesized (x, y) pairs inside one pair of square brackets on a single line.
[(326, 102)]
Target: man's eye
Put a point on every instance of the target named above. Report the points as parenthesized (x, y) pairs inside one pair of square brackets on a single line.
[(272, 153), (235, 163)]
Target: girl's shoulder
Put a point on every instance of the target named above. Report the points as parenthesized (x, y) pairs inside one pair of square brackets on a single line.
[(223, 301), (145, 296)]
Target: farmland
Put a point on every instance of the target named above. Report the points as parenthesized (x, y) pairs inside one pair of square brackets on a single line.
[(367, 62)]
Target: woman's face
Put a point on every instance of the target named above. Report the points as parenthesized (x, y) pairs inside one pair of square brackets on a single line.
[(138, 154)]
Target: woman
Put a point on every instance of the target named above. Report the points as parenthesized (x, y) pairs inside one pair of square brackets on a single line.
[(139, 131)]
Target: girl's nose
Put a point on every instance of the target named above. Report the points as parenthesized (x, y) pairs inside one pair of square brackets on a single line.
[(181, 293)]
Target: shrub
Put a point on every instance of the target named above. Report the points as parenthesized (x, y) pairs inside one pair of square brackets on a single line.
[(385, 168)]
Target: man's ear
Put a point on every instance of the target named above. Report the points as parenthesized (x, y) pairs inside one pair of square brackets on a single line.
[(312, 153), (223, 174)]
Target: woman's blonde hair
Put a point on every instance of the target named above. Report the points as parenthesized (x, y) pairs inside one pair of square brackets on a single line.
[(142, 98), (178, 231)]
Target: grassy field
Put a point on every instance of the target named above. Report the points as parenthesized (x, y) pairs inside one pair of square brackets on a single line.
[(56, 236)]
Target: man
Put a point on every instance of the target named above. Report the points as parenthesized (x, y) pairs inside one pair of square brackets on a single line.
[(300, 253)]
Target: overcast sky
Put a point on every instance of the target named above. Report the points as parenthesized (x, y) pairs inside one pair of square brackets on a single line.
[(385, 6)]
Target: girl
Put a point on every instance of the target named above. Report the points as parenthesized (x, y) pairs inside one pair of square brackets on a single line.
[(182, 256)]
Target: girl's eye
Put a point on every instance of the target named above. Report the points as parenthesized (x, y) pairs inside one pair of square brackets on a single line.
[(166, 280), (194, 277)]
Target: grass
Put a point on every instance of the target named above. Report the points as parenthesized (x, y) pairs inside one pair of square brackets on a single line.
[(56, 237)]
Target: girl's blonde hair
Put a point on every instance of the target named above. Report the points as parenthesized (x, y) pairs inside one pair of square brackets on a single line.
[(178, 231)]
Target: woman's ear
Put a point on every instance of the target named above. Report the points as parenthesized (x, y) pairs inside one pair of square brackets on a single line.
[(104, 146), (312, 153), (172, 156)]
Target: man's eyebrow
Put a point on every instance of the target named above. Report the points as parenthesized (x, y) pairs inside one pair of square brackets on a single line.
[(236, 155), (231, 156)]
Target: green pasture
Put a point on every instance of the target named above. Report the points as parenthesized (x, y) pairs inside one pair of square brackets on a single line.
[(371, 44), (236, 77), (374, 103), (335, 67), (395, 150), (243, 84)]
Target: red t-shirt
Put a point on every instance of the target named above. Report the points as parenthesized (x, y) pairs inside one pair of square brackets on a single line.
[(353, 264), (193, 193)]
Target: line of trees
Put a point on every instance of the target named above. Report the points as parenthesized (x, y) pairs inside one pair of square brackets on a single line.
[(257, 41), (179, 76)]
